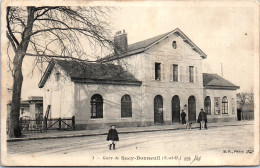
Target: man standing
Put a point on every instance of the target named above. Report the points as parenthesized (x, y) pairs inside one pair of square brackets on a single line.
[(183, 115), (202, 119)]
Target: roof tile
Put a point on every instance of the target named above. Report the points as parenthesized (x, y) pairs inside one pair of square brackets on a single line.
[(216, 81)]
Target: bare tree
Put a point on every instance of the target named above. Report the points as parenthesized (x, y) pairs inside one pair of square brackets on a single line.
[(241, 99), (51, 32), (245, 99), (250, 98)]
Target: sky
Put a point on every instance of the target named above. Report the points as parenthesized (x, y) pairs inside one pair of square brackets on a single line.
[(225, 34)]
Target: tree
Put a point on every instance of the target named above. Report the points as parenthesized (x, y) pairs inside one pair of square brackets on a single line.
[(51, 32), (245, 100), (241, 99)]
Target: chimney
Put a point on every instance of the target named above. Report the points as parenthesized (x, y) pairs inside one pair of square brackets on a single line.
[(120, 41)]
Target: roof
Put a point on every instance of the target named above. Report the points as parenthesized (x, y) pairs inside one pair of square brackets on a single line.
[(214, 81), (39, 100), (146, 44), (85, 72)]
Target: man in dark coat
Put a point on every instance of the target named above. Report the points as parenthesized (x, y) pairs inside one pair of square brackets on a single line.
[(183, 115), (202, 119), (112, 137)]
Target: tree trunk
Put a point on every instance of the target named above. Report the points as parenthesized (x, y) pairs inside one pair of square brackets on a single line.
[(14, 127)]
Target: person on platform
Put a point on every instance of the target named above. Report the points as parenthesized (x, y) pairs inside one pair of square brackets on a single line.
[(202, 119), (112, 137), (183, 116)]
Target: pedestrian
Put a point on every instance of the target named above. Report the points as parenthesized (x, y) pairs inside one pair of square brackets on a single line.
[(112, 137), (202, 119), (183, 116)]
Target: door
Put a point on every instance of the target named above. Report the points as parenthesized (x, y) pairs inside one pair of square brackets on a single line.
[(192, 109), (175, 109), (239, 114), (158, 109)]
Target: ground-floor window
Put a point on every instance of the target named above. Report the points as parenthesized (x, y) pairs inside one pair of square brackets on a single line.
[(126, 106), (216, 105), (207, 105), (224, 105), (96, 106)]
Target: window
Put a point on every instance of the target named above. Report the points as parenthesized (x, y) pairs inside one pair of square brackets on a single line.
[(96, 106), (191, 74), (126, 106), (157, 71), (175, 73), (207, 105), (174, 45), (22, 111), (57, 76), (216, 105), (224, 105), (233, 106)]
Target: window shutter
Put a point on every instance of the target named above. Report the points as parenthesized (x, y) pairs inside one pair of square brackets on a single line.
[(163, 71), (196, 75), (187, 73), (153, 71), (171, 72)]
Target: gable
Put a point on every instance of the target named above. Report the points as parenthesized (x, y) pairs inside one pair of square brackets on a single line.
[(144, 45), (164, 50)]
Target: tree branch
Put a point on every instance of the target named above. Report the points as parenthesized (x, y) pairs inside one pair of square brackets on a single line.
[(57, 56), (11, 40), (12, 37)]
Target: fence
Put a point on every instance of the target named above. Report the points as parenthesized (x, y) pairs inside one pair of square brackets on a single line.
[(59, 123), (31, 126), (38, 125)]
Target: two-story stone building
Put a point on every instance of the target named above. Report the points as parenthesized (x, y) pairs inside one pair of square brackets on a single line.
[(145, 83)]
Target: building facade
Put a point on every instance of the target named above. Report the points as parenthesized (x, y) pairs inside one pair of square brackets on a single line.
[(141, 84), (31, 108)]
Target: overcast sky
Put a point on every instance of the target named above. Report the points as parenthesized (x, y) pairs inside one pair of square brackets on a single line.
[(225, 34)]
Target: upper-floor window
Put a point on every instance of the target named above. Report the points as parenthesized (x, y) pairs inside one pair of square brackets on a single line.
[(191, 74), (157, 71), (22, 111), (175, 73), (174, 44), (57, 76)]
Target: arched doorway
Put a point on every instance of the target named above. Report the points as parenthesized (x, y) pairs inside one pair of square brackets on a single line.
[(175, 109), (158, 109), (192, 109)]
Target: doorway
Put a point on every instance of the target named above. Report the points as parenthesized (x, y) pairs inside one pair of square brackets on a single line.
[(158, 109), (175, 109), (192, 109)]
